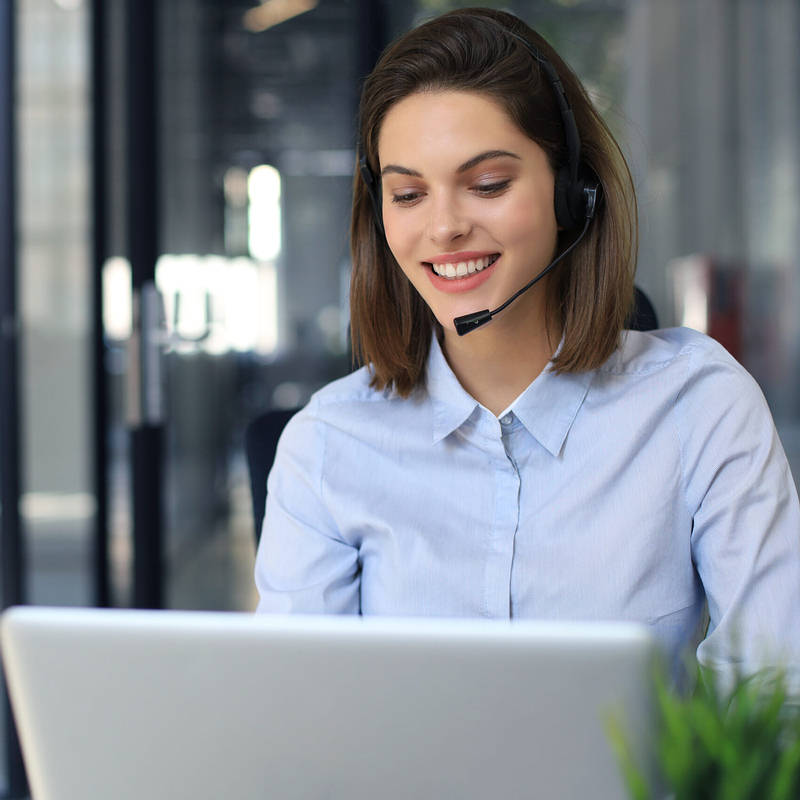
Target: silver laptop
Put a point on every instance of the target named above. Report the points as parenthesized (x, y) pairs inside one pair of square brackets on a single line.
[(136, 705)]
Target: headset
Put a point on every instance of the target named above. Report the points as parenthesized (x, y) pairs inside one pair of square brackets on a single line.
[(577, 188)]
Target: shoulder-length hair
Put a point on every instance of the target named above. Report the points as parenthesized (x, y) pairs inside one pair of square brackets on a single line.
[(590, 293)]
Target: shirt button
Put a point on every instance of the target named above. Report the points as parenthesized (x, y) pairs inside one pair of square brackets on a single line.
[(506, 420)]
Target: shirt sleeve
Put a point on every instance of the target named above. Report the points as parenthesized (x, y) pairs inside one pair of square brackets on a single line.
[(303, 565), (746, 517)]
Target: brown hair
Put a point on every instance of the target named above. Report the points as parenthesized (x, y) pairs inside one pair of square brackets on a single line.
[(590, 292)]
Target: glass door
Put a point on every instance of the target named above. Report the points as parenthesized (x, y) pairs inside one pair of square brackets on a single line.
[(46, 458), (226, 267)]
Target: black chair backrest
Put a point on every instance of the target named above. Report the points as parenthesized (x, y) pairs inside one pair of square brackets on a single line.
[(643, 317), (260, 443)]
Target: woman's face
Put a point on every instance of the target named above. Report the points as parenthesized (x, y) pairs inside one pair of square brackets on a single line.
[(467, 201)]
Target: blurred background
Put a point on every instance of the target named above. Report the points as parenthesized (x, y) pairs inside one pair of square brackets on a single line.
[(174, 261)]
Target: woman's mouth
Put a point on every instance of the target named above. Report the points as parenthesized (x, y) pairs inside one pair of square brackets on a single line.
[(453, 270), (464, 275)]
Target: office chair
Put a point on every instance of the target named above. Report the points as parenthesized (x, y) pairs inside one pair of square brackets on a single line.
[(262, 434), (260, 443), (643, 317)]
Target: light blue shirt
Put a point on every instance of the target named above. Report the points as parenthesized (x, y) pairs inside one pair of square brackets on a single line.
[(648, 489)]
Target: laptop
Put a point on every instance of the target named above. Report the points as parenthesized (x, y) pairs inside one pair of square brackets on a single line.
[(167, 705)]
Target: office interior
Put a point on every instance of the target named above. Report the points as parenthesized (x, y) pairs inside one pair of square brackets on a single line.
[(174, 254)]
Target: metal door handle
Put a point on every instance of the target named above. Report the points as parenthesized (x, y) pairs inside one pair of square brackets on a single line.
[(145, 364)]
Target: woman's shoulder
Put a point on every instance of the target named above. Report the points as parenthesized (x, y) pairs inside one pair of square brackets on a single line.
[(645, 352), (699, 375), (349, 392), (351, 401), (353, 387)]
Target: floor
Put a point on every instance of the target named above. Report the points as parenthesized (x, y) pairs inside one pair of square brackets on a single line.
[(213, 571)]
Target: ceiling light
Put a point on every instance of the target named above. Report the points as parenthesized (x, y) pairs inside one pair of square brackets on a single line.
[(273, 12)]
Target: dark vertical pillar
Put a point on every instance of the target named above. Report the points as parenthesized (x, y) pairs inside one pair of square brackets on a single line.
[(12, 560), (142, 226), (11, 541), (372, 34), (100, 565)]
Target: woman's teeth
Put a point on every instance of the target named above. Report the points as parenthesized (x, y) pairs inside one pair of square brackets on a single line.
[(460, 269)]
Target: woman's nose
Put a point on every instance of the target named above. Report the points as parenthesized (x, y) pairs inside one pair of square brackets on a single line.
[(447, 221)]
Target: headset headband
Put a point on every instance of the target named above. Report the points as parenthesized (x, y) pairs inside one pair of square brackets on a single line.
[(571, 136)]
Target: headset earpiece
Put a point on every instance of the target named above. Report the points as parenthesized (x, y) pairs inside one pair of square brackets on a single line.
[(564, 199), (575, 200)]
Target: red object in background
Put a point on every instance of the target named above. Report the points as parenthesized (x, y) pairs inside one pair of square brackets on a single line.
[(726, 316)]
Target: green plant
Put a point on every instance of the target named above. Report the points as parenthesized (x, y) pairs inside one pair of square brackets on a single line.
[(738, 743)]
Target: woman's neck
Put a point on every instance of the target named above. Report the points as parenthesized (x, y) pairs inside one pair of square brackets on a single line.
[(496, 363)]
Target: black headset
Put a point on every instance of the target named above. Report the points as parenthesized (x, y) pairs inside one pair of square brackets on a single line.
[(576, 185)]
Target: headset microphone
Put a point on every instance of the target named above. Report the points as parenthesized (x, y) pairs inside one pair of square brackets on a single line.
[(470, 322)]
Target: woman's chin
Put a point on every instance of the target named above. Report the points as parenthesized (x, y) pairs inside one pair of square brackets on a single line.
[(446, 319)]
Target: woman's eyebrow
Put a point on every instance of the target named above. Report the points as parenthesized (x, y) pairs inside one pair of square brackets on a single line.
[(400, 170), (475, 160), (467, 165)]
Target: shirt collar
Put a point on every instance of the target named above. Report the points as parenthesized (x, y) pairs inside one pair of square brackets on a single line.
[(452, 405), (547, 408)]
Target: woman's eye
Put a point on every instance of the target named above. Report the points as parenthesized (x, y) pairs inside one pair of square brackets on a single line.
[(491, 189), (406, 198)]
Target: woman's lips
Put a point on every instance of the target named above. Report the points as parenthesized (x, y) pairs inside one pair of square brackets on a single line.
[(473, 272)]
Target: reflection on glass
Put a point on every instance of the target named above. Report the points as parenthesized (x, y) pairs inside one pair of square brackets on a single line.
[(264, 213), (690, 292), (53, 112), (217, 304), (273, 12), (117, 298)]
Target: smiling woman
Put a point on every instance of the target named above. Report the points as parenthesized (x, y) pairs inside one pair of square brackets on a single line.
[(548, 464), (508, 83)]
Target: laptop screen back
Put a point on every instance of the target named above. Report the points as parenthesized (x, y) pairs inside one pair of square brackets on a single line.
[(166, 705)]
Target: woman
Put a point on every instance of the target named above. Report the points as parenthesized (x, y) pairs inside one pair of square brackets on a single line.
[(547, 464)]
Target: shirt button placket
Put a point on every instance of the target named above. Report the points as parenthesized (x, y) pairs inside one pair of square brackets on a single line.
[(506, 517)]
